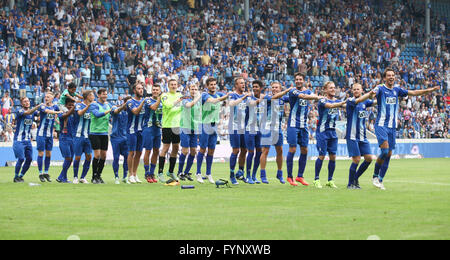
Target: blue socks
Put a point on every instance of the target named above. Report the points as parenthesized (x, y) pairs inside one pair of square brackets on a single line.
[(40, 160), (249, 163), (362, 168), (331, 168), (352, 173), (318, 168), (181, 162), (209, 162), (289, 164), (86, 167), (199, 162), (376, 172), (47, 164), (26, 166), (66, 166), (256, 164), (18, 166), (76, 166), (189, 163), (384, 168), (233, 161), (115, 166), (302, 164)]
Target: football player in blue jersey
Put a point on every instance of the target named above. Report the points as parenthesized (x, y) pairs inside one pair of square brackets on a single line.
[(119, 120), (152, 133), (271, 132), (66, 119), (44, 140), (82, 145), (23, 151), (134, 131), (385, 126), (253, 114), (356, 137), (236, 128), (327, 140), (297, 129)]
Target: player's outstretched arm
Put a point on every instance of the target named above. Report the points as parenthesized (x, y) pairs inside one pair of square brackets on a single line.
[(84, 110), (120, 109), (31, 111), (282, 93), (137, 110), (156, 104), (366, 96), (193, 102), (309, 97), (335, 105), (217, 100), (421, 92), (68, 113), (239, 100)]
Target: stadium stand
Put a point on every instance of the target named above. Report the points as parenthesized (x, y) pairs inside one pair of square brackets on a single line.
[(45, 44)]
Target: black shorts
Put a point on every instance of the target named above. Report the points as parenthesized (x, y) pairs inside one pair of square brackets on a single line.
[(99, 142), (171, 135)]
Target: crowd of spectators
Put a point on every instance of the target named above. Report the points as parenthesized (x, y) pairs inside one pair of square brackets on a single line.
[(46, 44)]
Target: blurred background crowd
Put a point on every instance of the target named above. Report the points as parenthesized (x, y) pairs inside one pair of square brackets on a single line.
[(46, 44)]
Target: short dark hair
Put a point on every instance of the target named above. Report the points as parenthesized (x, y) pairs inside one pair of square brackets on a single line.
[(386, 70), (209, 80), (258, 82), (299, 74), (72, 86), (69, 100), (102, 90)]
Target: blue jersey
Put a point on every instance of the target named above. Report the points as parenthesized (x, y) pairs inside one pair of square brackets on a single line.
[(135, 122), (82, 123), (356, 119), (298, 117), (23, 126), (388, 105), (67, 132), (273, 112), (327, 116), (237, 113), (253, 115), (47, 121), (119, 124), (152, 118)]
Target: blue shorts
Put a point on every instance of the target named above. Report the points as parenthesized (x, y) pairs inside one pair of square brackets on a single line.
[(135, 142), (327, 142), (386, 134), (23, 150), (297, 136), (188, 138), (120, 147), (66, 148), (44, 143), (208, 137), (81, 145), (358, 148), (151, 138), (237, 140), (274, 138), (252, 141)]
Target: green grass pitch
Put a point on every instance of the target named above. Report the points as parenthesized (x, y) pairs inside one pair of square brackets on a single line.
[(416, 205)]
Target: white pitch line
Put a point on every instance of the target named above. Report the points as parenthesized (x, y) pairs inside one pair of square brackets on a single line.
[(418, 182)]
